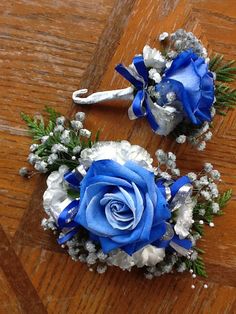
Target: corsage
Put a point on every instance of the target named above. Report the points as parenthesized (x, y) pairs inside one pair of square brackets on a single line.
[(112, 205)]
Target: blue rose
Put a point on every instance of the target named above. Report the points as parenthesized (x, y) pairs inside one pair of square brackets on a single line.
[(193, 84), (121, 206)]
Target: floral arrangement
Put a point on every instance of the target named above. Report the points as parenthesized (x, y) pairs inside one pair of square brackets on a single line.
[(178, 89), (112, 205)]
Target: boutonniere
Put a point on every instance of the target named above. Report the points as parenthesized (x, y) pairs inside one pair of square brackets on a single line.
[(178, 89)]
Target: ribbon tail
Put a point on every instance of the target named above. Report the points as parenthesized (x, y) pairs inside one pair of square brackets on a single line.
[(181, 250), (73, 178), (140, 67), (65, 220), (182, 246), (150, 117), (131, 76), (137, 110), (63, 239), (181, 189)]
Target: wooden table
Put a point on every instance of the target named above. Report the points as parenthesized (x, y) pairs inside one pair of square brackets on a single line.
[(47, 50)]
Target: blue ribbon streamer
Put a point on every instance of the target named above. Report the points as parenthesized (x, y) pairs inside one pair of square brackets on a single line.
[(67, 236), (65, 219), (140, 104), (174, 188), (73, 178)]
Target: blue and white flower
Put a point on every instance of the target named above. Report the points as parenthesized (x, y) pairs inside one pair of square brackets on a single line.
[(189, 78), (122, 206)]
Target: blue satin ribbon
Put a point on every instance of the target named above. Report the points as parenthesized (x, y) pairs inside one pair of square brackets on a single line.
[(65, 219), (73, 178), (174, 188), (67, 236), (139, 80)]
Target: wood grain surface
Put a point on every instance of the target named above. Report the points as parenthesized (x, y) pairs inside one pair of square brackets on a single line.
[(48, 49)]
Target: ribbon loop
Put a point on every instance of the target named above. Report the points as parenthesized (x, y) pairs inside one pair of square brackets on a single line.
[(65, 220), (74, 177), (66, 217), (140, 67), (138, 76), (176, 193)]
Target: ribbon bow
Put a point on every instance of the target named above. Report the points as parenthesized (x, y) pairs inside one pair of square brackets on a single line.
[(66, 217), (176, 194), (138, 77)]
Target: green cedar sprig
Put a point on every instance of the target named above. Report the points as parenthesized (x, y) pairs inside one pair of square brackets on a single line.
[(39, 128), (225, 98), (225, 73), (198, 266), (224, 198)]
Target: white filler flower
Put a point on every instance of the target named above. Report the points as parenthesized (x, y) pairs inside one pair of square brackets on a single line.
[(153, 58), (55, 195), (148, 256), (184, 218), (118, 151)]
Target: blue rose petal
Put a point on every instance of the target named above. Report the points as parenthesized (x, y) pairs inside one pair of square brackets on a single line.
[(115, 170), (189, 78), (162, 212), (147, 177), (95, 219), (156, 233), (121, 206)]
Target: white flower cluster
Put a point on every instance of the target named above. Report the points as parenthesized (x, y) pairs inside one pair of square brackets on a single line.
[(205, 183), (117, 151), (168, 162), (87, 252), (182, 40), (183, 217), (58, 147), (198, 138), (153, 59), (55, 193)]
